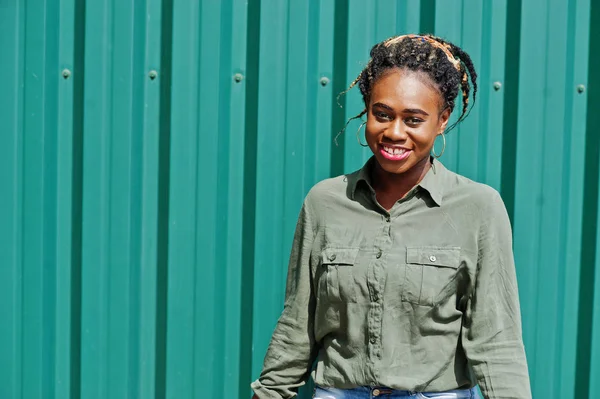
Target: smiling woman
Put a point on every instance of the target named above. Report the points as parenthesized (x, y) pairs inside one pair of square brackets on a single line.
[(401, 280)]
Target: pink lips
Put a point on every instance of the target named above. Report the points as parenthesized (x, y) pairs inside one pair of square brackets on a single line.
[(394, 157)]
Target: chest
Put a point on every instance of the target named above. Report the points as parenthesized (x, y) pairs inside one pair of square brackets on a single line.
[(417, 254)]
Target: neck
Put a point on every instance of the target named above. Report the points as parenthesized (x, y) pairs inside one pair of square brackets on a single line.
[(391, 187)]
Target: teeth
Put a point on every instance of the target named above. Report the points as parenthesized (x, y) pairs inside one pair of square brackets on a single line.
[(394, 151)]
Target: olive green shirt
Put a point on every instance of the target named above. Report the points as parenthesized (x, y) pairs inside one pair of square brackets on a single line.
[(413, 299)]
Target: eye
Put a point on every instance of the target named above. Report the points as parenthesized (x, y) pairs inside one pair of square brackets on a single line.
[(383, 115), (412, 121)]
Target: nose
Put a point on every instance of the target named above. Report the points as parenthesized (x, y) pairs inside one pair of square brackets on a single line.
[(396, 131)]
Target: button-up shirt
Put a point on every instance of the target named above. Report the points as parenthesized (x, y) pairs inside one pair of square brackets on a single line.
[(422, 297)]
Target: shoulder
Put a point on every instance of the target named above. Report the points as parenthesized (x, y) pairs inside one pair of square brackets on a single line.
[(331, 194), (480, 195), (333, 188)]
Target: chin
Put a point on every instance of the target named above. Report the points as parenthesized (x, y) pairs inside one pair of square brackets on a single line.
[(394, 167)]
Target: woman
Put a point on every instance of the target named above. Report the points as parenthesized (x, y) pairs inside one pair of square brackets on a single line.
[(401, 280)]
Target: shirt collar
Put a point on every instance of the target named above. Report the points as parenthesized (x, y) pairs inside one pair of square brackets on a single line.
[(433, 182)]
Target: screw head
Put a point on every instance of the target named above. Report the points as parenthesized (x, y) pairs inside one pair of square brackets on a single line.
[(152, 74), (324, 81), (580, 88), (66, 73), (497, 86), (238, 77)]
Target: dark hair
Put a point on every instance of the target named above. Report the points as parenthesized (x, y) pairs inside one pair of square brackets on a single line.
[(448, 66)]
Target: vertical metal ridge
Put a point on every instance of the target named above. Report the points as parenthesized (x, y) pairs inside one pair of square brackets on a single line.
[(572, 199), (33, 135), (164, 189), (548, 170), (211, 149), (340, 82), (97, 200), (183, 191), (322, 123), (361, 34), (148, 328), (49, 177), (511, 104), (64, 202), (427, 16), (469, 132), (233, 100), (269, 272), (247, 355), (590, 230), (77, 197), (12, 31)]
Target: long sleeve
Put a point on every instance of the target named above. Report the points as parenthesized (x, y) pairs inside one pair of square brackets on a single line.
[(492, 336), (292, 349)]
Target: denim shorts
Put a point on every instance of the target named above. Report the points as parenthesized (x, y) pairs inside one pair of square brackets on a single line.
[(387, 393)]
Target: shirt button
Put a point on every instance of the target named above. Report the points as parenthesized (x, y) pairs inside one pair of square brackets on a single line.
[(432, 258), (379, 253), (332, 257), (387, 219), (373, 340), (376, 392)]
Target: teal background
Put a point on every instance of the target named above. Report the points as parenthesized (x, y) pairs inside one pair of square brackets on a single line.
[(146, 219)]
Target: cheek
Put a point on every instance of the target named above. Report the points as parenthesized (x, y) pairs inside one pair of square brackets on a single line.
[(373, 129), (424, 137)]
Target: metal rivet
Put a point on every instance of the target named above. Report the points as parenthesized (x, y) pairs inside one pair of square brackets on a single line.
[(580, 88), (332, 257), (324, 81), (238, 77), (497, 86), (432, 258), (66, 73), (152, 74)]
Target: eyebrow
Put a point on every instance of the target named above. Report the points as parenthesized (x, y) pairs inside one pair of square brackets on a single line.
[(407, 110)]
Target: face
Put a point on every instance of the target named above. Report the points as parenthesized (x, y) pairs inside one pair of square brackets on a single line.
[(405, 115)]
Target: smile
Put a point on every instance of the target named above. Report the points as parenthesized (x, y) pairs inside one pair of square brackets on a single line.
[(394, 153)]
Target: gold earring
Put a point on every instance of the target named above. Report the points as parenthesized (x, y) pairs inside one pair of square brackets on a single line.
[(358, 135), (437, 156)]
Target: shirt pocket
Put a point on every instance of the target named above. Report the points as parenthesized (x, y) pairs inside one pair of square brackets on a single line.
[(338, 277), (428, 271)]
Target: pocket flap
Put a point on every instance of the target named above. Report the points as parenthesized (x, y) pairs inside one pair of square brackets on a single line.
[(434, 256), (339, 256)]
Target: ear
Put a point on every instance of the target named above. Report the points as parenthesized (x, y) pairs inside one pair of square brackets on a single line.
[(444, 119)]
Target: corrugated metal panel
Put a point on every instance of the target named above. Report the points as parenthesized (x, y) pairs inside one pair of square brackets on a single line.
[(155, 155), (549, 188)]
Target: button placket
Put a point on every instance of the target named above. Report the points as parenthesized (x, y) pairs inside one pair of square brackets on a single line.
[(376, 281)]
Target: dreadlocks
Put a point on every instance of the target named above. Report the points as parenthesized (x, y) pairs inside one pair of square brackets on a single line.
[(448, 66)]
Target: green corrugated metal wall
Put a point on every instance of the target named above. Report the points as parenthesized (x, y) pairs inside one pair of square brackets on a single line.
[(154, 155)]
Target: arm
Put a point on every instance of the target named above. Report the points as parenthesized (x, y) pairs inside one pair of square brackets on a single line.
[(492, 337), (292, 349)]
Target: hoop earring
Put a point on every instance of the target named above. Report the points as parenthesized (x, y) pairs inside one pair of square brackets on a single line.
[(358, 136), (437, 156)]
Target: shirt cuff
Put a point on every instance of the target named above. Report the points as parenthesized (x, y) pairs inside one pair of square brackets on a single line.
[(262, 392)]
